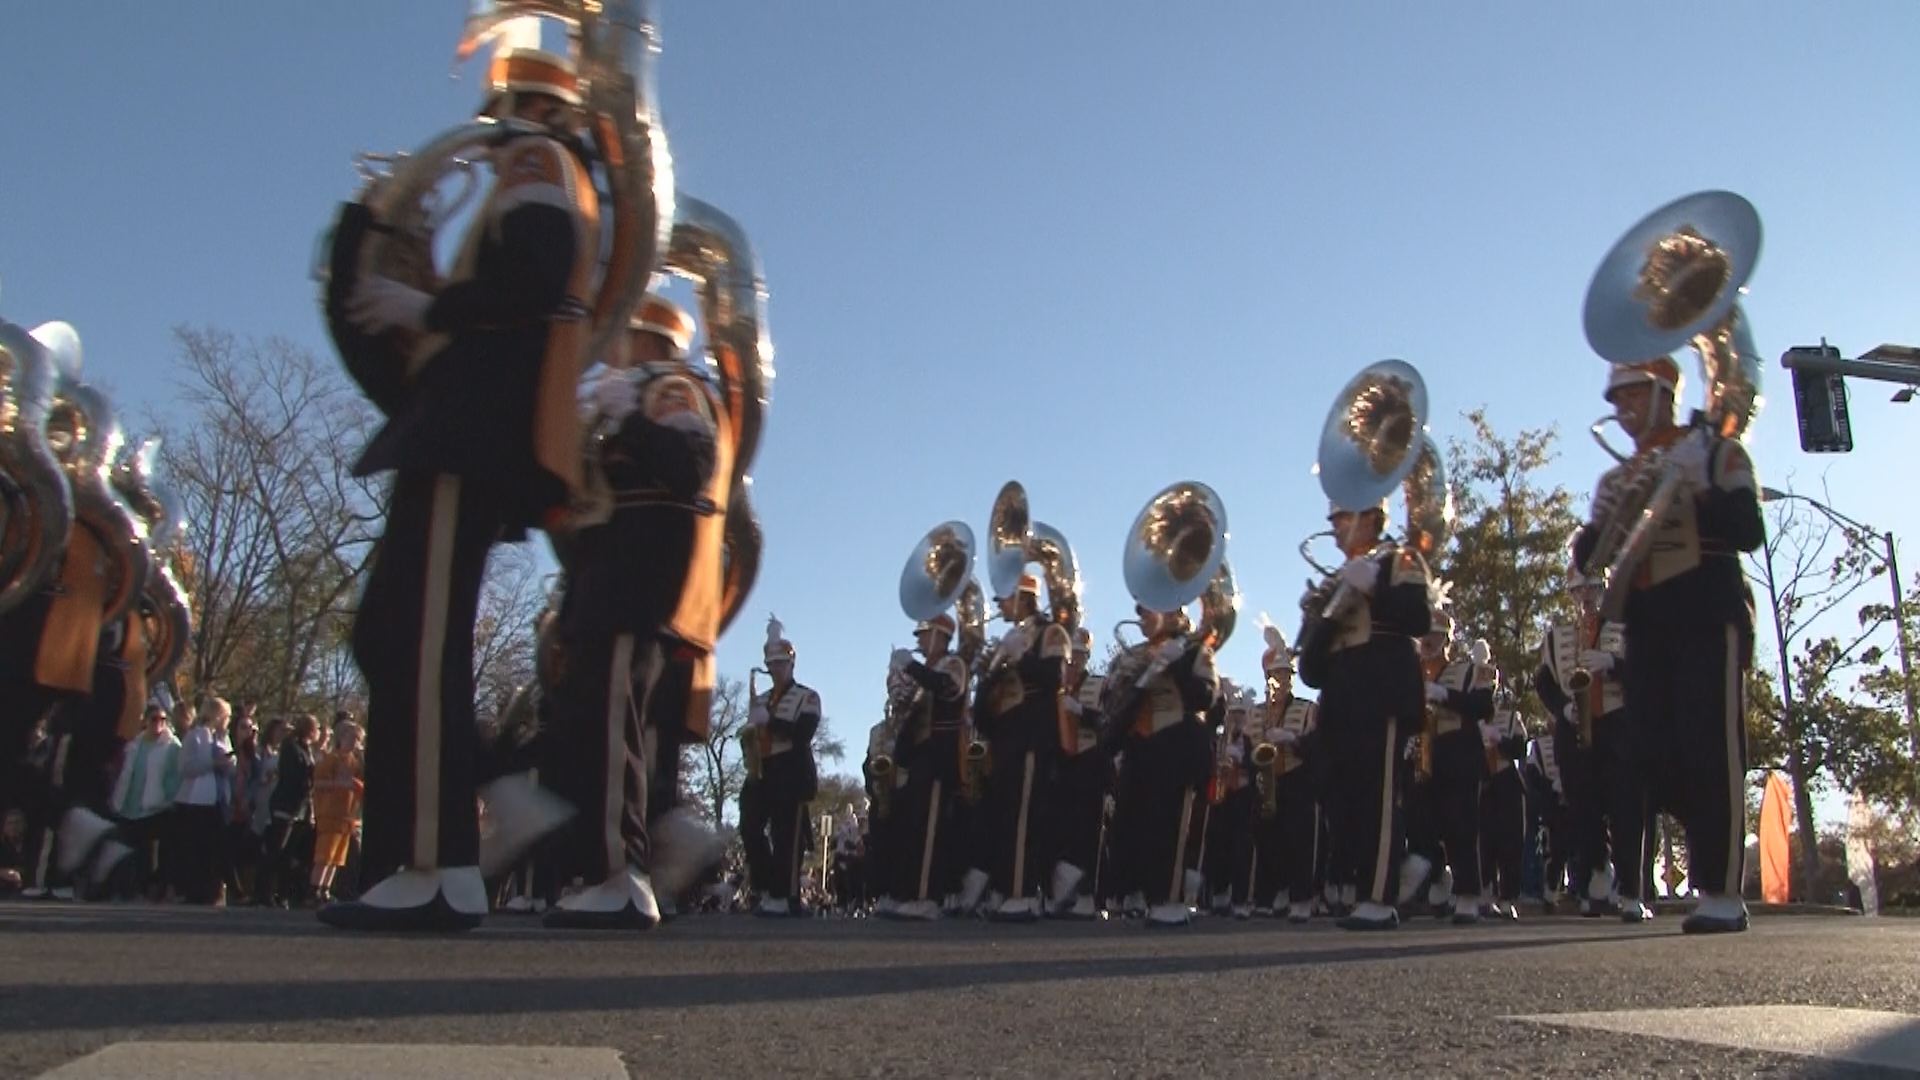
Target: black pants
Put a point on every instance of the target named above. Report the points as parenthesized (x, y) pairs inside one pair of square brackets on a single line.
[(596, 753), (1287, 847), (1503, 833), (148, 838), (198, 861), (1157, 803), (1080, 796), (413, 640), (1022, 846), (1365, 759), (773, 827), (279, 877), (1229, 854), (1606, 801), (1458, 767), (1686, 697), (920, 846)]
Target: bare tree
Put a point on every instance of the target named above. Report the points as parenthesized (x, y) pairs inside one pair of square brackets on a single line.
[(503, 634), (714, 769), (279, 529), (1810, 568)]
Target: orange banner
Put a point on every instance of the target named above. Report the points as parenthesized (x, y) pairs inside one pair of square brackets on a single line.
[(1776, 828)]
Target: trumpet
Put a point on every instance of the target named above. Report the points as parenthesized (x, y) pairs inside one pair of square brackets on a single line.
[(1266, 779)]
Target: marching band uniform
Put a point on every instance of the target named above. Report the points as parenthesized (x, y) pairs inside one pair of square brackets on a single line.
[(1605, 803), (1689, 629), (643, 579), (883, 797), (1503, 815), (1085, 780), (1159, 692), (926, 843), (1287, 846), (1547, 815), (55, 650), (773, 828), (1462, 700), (486, 444), (1370, 700), (1228, 867), (1017, 707)]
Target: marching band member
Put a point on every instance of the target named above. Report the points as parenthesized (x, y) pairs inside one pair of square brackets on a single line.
[(1370, 701), (926, 844), (1546, 816), (1503, 805), (1462, 700), (1085, 780), (1017, 708), (1689, 628), (1287, 844), (486, 445), (643, 580), (1592, 736), (773, 808), (882, 787), (1228, 867), (1160, 691)]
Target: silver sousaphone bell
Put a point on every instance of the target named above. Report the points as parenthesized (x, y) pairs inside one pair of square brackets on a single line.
[(1673, 279), (937, 570), (1371, 438)]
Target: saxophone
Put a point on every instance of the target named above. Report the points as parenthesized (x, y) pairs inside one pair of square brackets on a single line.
[(755, 742), (1581, 685), (1423, 742), (1266, 767)]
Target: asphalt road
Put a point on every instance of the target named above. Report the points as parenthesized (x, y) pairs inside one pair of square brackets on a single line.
[(740, 997)]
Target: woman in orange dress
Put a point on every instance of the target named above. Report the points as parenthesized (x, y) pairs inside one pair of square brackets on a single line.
[(337, 789)]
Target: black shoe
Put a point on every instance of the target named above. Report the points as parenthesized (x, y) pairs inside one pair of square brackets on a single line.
[(627, 918), (1697, 923), (436, 917)]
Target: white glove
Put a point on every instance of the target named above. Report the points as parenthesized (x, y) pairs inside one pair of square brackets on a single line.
[(1689, 455), (1571, 712), (1286, 737), (1169, 651), (1596, 660), (615, 396), (899, 661), (1362, 573), (757, 716), (1073, 706), (382, 304), (1436, 693)]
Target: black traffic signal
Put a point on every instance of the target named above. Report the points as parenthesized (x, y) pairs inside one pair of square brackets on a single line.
[(1821, 403)]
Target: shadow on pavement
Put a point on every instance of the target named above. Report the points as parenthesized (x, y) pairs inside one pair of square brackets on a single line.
[(83, 1007)]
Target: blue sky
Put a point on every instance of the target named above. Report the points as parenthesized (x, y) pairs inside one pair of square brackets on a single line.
[(1090, 246)]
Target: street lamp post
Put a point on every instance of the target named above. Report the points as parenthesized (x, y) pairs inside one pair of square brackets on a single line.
[(1768, 494)]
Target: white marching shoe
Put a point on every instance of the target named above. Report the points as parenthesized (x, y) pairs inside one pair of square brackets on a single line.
[(772, 908), (1017, 909), (1466, 910), (1083, 908), (519, 812), (446, 899), (1633, 911), (1171, 914), (1368, 915), (973, 885), (1413, 874), (624, 901), (1300, 912), (85, 835), (1193, 881), (683, 849), (1717, 913), (1066, 885), (917, 910)]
